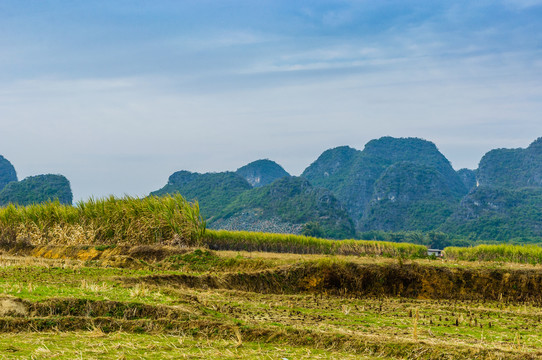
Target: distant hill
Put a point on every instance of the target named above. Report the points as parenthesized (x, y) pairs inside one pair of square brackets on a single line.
[(498, 213), (286, 205), (334, 170), (392, 185), (468, 177), (228, 201), (512, 168), (409, 196), (508, 201), (261, 172), (7, 172), (33, 189), (213, 191), (37, 189), (352, 175)]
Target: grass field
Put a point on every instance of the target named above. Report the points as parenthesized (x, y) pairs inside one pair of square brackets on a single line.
[(125, 279), (526, 254), (172, 303), (121, 345), (298, 244)]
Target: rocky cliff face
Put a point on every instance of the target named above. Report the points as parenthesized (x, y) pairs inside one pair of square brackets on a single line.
[(261, 172), (507, 202), (290, 202), (338, 171), (409, 196), (468, 177)]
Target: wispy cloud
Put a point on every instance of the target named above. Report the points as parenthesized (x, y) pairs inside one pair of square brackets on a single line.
[(523, 4), (137, 93)]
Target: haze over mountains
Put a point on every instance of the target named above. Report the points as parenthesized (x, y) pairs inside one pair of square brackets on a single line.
[(393, 184)]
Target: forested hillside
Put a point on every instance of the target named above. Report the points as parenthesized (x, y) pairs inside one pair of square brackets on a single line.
[(213, 191), (290, 203), (389, 180), (7, 172), (287, 205), (33, 189), (261, 172), (392, 185), (37, 189), (512, 168)]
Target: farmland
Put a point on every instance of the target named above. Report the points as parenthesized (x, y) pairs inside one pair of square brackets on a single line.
[(184, 292), (197, 303)]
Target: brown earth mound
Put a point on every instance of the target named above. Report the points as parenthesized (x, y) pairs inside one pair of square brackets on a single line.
[(351, 279)]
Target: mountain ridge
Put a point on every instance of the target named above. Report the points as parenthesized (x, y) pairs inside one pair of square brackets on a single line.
[(393, 184), (37, 189), (33, 189), (7, 172), (352, 174), (261, 172)]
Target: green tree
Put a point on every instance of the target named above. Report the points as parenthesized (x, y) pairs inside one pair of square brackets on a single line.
[(313, 229)]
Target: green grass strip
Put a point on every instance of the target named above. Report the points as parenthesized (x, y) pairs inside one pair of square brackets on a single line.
[(298, 244)]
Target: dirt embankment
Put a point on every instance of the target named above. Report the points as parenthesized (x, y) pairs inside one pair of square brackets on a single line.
[(15, 307), (328, 276), (115, 256), (351, 279)]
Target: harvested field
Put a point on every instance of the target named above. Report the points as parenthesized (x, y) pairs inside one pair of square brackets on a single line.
[(345, 278), (166, 302)]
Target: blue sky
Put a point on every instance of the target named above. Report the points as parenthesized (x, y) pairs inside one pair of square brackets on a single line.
[(117, 95)]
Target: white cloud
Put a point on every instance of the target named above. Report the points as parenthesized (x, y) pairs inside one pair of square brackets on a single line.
[(217, 100), (211, 40)]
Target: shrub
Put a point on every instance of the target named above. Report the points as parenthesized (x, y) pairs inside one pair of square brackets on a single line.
[(128, 220)]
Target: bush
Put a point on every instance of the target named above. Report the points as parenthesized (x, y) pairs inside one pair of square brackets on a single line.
[(169, 219)]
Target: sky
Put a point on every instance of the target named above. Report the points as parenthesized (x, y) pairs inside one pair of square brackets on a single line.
[(118, 95)]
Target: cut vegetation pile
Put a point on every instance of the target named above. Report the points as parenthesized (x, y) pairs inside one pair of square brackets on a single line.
[(169, 219)]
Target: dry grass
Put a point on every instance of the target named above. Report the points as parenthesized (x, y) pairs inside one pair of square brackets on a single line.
[(10, 260), (151, 220), (107, 312), (121, 345), (95, 287), (139, 290)]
